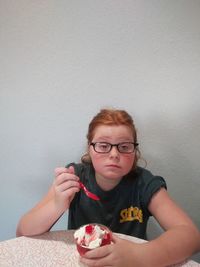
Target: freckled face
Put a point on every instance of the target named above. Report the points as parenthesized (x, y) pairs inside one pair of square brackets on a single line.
[(112, 165)]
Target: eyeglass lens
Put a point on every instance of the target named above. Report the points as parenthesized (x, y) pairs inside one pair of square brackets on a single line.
[(103, 147)]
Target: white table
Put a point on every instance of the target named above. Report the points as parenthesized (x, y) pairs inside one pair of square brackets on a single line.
[(54, 249)]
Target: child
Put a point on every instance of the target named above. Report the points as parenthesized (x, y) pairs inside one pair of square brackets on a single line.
[(128, 196)]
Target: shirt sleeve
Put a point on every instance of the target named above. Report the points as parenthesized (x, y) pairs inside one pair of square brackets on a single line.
[(150, 185)]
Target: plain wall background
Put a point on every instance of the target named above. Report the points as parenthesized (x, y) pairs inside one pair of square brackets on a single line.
[(61, 61)]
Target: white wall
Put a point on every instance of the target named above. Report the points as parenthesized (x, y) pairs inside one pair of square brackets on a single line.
[(61, 61)]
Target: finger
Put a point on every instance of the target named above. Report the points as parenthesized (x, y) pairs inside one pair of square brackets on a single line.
[(60, 170), (98, 252), (64, 177), (71, 169), (115, 238), (70, 192), (67, 185)]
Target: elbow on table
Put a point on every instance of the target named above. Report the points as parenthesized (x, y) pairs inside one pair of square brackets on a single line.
[(23, 231)]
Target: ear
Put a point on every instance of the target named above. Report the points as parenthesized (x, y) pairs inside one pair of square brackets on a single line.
[(86, 157)]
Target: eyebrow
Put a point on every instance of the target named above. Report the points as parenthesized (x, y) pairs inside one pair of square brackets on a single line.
[(107, 139)]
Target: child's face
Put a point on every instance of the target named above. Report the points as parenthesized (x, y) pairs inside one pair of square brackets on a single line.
[(112, 165)]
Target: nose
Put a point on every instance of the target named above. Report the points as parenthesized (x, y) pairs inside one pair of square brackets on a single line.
[(114, 152)]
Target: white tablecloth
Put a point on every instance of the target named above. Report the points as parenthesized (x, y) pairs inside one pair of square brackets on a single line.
[(54, 249)]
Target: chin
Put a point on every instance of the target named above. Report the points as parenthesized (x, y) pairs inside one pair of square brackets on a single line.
[(112, 176)]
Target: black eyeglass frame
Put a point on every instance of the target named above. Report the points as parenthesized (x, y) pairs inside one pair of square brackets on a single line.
[(93, 144)]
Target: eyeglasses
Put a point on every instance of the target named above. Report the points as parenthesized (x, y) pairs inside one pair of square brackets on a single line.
[(104, 147)]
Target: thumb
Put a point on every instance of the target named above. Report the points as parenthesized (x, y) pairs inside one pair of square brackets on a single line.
[(115, 238), (71, 169)]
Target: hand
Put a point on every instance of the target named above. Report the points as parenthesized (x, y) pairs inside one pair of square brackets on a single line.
[(120, 253), (65, 187)]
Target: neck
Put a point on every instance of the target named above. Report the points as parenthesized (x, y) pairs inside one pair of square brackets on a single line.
[(106, 184)]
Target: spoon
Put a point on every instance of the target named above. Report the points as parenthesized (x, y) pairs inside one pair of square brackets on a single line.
[(88, 193)]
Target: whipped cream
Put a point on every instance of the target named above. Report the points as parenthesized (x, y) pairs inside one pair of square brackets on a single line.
[(91, 238)]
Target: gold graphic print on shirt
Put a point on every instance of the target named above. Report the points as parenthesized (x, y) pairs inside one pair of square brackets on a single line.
[(131, 214)]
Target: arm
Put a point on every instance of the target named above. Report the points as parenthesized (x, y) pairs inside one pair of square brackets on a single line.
[(179, 241), (181, 238), (44, 215)]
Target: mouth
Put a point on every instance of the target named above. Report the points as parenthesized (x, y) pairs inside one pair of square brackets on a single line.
[(113, 166)]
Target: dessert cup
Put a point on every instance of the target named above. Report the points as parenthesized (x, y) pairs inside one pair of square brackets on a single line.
[(91, 236)]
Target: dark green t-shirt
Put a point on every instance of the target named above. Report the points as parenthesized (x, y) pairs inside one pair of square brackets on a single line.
[(124, 209)]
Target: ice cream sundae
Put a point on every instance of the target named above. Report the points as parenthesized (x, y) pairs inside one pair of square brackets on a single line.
[(91, 236)]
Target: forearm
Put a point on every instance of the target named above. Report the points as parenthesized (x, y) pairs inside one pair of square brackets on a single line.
[(40, 220), (173, 246)]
